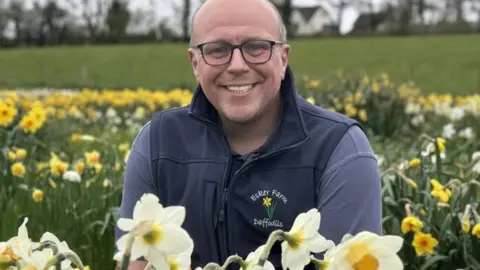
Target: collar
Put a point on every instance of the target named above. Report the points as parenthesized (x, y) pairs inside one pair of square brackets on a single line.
[(291, 130)]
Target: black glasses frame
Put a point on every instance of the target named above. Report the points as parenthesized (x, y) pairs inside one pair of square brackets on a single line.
[(240, 47)]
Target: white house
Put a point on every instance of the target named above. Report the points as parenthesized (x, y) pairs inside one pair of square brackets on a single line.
[(308, 20)]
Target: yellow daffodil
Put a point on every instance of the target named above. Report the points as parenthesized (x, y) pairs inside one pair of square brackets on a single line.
[(366, 251), (18, 169), (476, 230), (415, 163), (92, 158), (439, 191), (302, 239), (37, 195), (165, 237), (424, 243), (466, 225), (411, 224)]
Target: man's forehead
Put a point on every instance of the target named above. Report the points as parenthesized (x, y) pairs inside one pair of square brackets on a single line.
[(246, 19)]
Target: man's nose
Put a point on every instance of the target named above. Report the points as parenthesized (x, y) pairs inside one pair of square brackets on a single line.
[(237, 63)]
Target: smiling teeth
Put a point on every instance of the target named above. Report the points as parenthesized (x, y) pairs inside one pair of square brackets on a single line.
[(240, 89)]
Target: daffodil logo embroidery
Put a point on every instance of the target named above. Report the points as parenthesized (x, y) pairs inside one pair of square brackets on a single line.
[(267, 203), (268, 199)]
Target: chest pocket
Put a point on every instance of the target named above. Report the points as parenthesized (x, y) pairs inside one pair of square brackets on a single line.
[(267, 200)]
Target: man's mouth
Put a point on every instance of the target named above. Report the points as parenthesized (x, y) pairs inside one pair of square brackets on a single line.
[(240, 89)]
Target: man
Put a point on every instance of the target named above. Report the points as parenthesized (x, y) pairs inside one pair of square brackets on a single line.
[(248, 155)]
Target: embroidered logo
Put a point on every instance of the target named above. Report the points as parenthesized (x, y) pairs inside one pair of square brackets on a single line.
[(268, 199)]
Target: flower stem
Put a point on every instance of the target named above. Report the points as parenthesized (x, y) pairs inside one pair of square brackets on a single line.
[(60, 257), (48, 244), (212, 266), (128, 252), (232, 259), (274, 237)]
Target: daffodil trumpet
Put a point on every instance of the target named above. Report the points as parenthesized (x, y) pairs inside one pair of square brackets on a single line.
[(60, 257)]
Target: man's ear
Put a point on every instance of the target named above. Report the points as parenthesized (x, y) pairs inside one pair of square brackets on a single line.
[(193, 60), (284, 58)]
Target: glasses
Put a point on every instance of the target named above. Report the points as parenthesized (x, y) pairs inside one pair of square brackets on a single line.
[(253, 51)]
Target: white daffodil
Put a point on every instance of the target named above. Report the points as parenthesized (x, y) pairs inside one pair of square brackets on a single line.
[(303, 239), (62, 247), (165, 237), (476, 159), (366, 251), (72, 176), (21, 244), (252, 260), (449, 131), (38, 259)]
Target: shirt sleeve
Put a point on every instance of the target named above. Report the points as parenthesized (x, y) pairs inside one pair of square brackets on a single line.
[(138, 178), (349, 191)]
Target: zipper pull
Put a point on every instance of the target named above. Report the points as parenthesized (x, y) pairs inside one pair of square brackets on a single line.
[(221, 214)]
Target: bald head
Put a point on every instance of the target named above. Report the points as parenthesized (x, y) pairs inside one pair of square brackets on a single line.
[(208, 7)]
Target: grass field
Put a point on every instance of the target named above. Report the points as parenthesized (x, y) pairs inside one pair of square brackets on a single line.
[(437, 64)]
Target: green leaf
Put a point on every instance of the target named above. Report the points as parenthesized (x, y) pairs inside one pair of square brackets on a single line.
[(433, 260)]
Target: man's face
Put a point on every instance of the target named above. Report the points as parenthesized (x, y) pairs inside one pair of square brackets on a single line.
[(240, 91)]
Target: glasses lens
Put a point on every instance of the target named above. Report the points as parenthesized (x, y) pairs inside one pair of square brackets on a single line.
[(216, 53), (256, 51)]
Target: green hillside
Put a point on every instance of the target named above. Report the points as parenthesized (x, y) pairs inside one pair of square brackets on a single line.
[(436, 64)]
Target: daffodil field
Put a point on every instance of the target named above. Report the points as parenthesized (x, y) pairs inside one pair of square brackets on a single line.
[(63, 153)]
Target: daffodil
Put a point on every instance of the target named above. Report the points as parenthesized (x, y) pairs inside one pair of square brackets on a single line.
[(62, 247), (366, 251), (38, 259), (302, 239), (21, 244), (424, 243), (411, 224), (476, 230), (251, 262), (165, 237)]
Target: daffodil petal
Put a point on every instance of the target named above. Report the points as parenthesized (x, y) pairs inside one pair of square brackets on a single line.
[(147, 208), (268, 266), (118, 256), (122, 242), (299, 222), (158, 260), (392, 243), (391, 262), (22, 230), (294, 259), (175, 240), (184, 261), (48, 236), (312, 224), (319, 243), (174, 215), (138, 250), (125, 224)]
